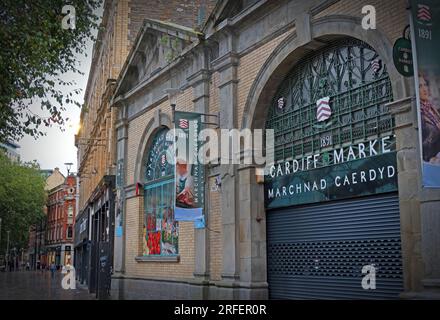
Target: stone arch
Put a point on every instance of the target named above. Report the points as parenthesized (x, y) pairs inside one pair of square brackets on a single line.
[(287, 54), (292, 49), (159, 121)]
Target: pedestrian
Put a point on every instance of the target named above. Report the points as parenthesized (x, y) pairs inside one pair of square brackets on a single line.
[(52, 269), (27, 266)]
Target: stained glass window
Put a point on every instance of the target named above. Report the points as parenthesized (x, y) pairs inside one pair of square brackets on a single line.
[(160, 231)]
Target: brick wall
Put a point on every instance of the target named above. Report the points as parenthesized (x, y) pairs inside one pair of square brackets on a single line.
[(392, 16), (215, 232), (250, 65), (159, 270), (182, 12)]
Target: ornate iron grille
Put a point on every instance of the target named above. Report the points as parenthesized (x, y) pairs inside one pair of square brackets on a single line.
[(352, 74)]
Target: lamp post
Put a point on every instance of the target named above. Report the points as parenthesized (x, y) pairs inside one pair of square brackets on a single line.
[(7, 246), (0, 234), (68, 166), (172, 94)]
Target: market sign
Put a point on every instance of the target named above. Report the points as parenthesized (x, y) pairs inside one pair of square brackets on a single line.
[(425, 20), (363, 169), (189, 174), (402, 57)]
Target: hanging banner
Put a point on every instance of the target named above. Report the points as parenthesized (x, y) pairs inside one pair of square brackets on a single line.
[(190, 174), (425, 16)]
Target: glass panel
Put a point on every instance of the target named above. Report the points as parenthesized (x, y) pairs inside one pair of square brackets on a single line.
[(352, 74)]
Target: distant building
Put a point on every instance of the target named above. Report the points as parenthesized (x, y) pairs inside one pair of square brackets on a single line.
[(43, 251), (45, 173), (54, 179), (10, 150), (60, 222)]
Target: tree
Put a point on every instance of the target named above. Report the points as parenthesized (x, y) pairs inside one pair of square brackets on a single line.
[(35, 52), (22, 200)]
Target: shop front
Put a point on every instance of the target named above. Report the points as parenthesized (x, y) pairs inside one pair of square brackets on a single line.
[(82, 247), (95, 228), (331, 198)]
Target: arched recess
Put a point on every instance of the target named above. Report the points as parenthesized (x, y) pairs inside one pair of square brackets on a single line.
[(281, 61), (159, 121), (291, 50), (155, 127)]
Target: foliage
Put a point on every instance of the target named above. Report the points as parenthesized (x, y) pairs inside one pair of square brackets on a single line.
[(35, 54), (22, 200)]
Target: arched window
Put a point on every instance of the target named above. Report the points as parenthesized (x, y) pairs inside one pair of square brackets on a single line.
[(160, 232), (354, 79)]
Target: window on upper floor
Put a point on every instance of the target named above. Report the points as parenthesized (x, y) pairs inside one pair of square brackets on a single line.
[(70, 211), (69, 232)]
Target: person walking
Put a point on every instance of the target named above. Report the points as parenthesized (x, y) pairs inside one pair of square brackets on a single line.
[(52, 269)]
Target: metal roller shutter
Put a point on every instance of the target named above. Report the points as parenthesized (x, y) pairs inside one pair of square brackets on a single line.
[(318, 251)]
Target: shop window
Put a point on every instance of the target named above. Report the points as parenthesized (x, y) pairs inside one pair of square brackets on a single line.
[(69, 232), (160, 230)]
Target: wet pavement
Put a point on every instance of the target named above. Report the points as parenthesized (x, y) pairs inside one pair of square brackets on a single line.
[(38, 285)]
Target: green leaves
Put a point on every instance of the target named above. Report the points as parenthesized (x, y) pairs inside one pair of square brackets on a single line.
[(22, 199), (35, 54)]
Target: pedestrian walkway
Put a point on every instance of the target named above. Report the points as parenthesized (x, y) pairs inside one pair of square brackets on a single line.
[(37, 285)]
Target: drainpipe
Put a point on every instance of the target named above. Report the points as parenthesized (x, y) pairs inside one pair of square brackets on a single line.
[(72, 250)]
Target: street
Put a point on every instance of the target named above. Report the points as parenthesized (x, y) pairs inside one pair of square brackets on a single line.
[(37, 285)]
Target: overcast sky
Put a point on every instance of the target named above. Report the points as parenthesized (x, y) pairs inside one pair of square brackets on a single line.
[(57, 147)]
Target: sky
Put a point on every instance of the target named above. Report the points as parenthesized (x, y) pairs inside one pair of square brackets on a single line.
[(57, 147)]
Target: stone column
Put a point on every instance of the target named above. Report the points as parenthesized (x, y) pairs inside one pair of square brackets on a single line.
[(121, 128), (253, 267), (419, 213), (227, 65), (200, 82)]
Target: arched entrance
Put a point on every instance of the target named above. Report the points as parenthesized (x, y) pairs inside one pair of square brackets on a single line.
[(331, 198)]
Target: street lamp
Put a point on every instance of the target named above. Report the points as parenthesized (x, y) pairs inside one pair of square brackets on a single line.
[(0, 234), (7, 246), (68, 165), (172, 94)]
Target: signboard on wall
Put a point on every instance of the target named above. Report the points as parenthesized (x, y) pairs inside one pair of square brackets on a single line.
[(189, 174), (363, 169), (425, 16)]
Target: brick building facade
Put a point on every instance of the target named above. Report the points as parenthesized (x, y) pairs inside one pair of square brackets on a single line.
[(96, 140), (238, 65), (60, 223)]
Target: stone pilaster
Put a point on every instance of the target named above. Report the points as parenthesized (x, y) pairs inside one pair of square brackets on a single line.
[(227, 65), (252, 223), (121, 147), (200, 81), (419, 214)]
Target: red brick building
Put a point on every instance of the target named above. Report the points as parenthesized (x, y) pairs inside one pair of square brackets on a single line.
[(60, 222)]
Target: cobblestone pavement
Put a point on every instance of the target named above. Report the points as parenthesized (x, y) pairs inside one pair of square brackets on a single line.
[(37, 285)]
